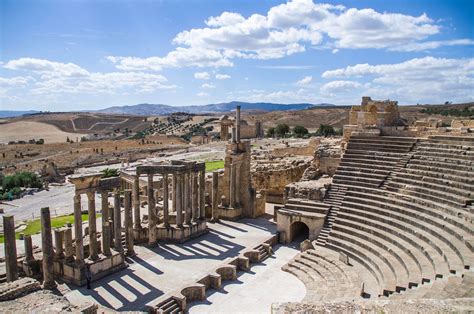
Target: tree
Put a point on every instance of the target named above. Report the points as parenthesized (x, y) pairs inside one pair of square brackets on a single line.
[(271, 132), (281, 129), (325, 130), (300, 131)]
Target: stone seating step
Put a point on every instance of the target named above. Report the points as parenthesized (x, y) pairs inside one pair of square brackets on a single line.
[(370, 275), (364, 169), (440, 164), (443, 186), (468, 140), (423, 193), (381, 141), (440, 175), (439, 267), (394, 138), (446, 244), (459, 228), (379, 147), (365, 164), (435, 168), (407, 202), (361, 173), (358, 181), (457, 145), (393, 262), (419, 263), (450, 153), (444, 156), (299, 201), (464, 187), (373, 155), (373, 264), (412, 270)]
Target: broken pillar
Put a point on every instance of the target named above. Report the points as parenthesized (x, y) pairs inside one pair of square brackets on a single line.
[(58, 240), (47, 248), (128, 222), (215, 193), (10, 248), (117, 223), (68, 249)]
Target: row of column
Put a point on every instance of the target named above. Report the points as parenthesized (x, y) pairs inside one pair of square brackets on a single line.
[(188, 199), (111, 225)]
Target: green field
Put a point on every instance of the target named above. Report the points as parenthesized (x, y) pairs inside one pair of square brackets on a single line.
[(214, 165), (34, 226)]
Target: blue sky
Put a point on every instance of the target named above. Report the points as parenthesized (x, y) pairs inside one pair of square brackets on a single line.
[(69, 55)]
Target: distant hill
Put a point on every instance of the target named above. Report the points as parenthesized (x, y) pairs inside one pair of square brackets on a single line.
[(12, 113), (159, 109)]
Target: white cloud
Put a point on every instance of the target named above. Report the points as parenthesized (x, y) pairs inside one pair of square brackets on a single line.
[(291, 28), (337, 87), (56, 77), (416, 80), (202, 94), (202, 76), (206, 85), (335, 51), (222, 76), (305, 80), (427, 45), (46, 67)]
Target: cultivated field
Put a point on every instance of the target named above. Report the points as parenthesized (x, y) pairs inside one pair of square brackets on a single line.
[(27, 130)]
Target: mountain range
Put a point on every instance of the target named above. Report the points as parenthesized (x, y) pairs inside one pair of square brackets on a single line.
[(159, 109)]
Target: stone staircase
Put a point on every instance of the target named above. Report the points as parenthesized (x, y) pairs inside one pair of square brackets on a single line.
[(335, 197), (169, 306)]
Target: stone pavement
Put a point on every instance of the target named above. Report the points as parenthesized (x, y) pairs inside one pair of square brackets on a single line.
[(255, 291), (168, 267)]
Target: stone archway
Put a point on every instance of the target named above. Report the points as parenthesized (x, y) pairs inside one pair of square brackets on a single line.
[(299, 231)]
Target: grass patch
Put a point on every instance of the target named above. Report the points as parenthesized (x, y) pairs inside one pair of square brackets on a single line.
[(214, 165), (34, 226)]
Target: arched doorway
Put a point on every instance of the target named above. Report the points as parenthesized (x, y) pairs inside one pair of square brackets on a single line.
[(299, 231)]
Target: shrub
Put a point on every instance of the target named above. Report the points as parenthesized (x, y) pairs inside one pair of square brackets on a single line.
[(325, 130), (281, 129), (108, 173), (300, 131), (271, 132)]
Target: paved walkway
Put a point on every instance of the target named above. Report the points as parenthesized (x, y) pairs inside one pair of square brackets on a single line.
[(170, 266), (255, 291)]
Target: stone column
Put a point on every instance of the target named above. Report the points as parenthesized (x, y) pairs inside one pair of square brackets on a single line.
[(136, 203), (166, 217), (117, 223), (68, 250), (106, 238), (237, 185), (234, 135), (104, 206), (128, 222), (237, 122), (151, 212), (93, 246), (173, 191), (58, 239), (195, 205), (187, 194), (78, 230), (29, 258), (202, 196), (178, 200), (10, 248), (232, 185), (47, 248), (215, 195)]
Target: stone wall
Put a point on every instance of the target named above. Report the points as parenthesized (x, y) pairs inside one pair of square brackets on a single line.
[(462, 124)]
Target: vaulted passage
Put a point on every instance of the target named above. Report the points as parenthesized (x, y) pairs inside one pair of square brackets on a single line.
[(299, 231)]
